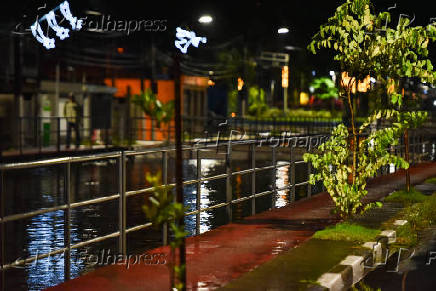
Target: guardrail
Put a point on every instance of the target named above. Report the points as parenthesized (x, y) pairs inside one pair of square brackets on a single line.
[(289, 149)]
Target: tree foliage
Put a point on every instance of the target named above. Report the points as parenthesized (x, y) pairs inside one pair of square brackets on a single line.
[(154, 108), (364, 44)]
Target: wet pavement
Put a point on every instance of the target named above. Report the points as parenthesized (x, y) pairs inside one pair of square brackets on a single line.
[(226, 253)]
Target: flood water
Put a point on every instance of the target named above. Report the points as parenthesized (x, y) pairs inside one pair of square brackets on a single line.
[(38, 188)]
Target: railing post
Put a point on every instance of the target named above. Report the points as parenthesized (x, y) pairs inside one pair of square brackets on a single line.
[(67, 223), (292, 170), (253, 178), (274, 178), (229, 194), (309, 171), (122, 203), (20, 143), (2, 231), (39, 123), (165, 182), (58, 137), (198, 199)]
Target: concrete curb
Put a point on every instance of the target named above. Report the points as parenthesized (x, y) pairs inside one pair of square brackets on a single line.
[(353, 268)]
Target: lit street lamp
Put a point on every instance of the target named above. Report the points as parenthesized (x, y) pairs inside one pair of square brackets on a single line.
[(205, 19), (282, 30)]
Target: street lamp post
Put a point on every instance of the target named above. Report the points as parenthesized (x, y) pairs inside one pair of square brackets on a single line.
[(184, 39), (285, 73)]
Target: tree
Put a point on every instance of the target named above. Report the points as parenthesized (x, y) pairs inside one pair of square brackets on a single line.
[(160, 112), (256, 101), (363, 46)]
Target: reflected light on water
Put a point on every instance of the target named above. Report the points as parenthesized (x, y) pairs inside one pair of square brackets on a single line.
[(282, 179)]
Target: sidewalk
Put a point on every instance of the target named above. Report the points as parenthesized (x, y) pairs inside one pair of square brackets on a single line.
[(219, 256)]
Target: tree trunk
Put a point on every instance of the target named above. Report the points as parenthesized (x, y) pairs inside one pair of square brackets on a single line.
[(406, 157), (354, 136)]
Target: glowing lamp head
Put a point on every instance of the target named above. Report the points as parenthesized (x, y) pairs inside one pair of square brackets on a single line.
[(282, 30), (240, 84), (205, 19)]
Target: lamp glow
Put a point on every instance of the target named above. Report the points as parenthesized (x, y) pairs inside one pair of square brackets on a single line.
[(205, 19), (186, 38), (240, 84), (285, 77), (283, 30)]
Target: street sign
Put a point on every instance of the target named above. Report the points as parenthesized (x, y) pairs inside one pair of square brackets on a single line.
[(275, 59)]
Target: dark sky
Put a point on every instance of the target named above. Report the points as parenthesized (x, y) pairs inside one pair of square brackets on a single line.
[(255, 22), (257, 18)]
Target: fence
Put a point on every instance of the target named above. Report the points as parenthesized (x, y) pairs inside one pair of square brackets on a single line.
[(44, 134), (290, 151)]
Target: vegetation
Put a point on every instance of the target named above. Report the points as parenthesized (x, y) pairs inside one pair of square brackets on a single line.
[(361, 286), (348, 232), (419, 216), (431, 180), (154, 108), (364, 46), (406, 198), (331, 162), (324, 88), (161, 208), (256, 102)]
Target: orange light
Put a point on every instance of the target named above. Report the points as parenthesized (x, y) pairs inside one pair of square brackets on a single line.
[(362, 86), (285, 77), (120, 50), (304, 98), (365, 84), (346, 81), (233, 114), (210, 83), (240, 84)]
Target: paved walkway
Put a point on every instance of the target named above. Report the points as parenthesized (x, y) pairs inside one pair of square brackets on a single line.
[(223, 254)]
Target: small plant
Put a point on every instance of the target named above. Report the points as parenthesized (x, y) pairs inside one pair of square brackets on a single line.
[(348, 232), (347, 186), (431, 180), (161, 209), (154, 108), (405, 197)]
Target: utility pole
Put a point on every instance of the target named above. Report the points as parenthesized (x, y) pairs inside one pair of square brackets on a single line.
[(179, 162), (18, 88)]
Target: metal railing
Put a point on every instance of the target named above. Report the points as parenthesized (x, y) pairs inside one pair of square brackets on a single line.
[(291, 149)]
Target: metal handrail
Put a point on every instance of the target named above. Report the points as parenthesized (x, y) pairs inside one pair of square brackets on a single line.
[(123, 194)]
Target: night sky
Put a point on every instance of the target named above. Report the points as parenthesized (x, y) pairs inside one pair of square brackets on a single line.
[(242, 23)]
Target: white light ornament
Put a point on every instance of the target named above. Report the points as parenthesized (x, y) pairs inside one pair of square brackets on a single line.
[(61, 32), (76, 24), (185, 38), (47, 42)]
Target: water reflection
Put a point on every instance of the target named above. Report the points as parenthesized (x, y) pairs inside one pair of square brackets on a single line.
[(45, 233), (282, 180)]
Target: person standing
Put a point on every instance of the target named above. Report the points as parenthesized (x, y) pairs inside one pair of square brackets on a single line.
[(71, 114)]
